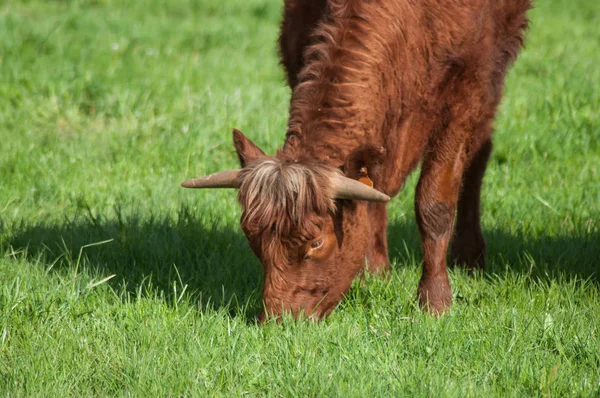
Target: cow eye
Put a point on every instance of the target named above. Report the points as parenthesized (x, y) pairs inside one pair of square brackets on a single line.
[(316, 244)]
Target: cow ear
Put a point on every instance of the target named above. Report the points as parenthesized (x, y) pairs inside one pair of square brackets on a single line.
[(365, 161), (246, 150)]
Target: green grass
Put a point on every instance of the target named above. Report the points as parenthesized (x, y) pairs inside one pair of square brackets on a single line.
[(115, 281)]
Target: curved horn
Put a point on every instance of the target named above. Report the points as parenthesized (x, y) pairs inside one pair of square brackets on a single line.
[(222, 179), (347, 188)]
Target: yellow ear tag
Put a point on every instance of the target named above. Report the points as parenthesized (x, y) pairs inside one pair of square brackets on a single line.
[(364, 177)]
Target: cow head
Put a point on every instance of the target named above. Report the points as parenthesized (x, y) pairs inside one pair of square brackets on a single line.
[(306, 222)]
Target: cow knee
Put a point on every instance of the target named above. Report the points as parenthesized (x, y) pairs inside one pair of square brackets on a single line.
[(434, 218)]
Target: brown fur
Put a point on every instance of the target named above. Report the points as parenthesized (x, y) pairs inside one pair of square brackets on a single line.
[(386, 85)]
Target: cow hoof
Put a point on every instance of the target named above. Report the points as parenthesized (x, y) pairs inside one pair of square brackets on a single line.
[(435, 295), (468, 254), (469, 261)]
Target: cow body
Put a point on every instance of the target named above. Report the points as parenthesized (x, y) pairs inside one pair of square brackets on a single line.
[(377, 88)]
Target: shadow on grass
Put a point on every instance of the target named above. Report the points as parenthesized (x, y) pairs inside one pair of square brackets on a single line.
[(575, 255), (159, 255), (215, 263)]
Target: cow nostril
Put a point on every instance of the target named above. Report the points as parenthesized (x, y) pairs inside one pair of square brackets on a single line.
[(316, 291)]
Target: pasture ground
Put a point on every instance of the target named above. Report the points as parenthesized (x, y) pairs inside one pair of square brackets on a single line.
[(114, 281)]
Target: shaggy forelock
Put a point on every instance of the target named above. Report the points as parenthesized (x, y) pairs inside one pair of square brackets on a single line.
[(285, 197)]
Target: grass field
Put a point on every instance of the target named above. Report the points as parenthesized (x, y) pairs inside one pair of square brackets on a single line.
[(115, 281)]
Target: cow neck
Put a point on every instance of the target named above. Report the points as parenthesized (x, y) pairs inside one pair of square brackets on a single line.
[(340, 101)]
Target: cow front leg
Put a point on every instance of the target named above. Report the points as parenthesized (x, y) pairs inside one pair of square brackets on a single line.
[(468, 244), (377, 255), (435, 207)]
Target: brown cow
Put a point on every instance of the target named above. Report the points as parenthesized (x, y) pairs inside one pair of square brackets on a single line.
[(377, 87)]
